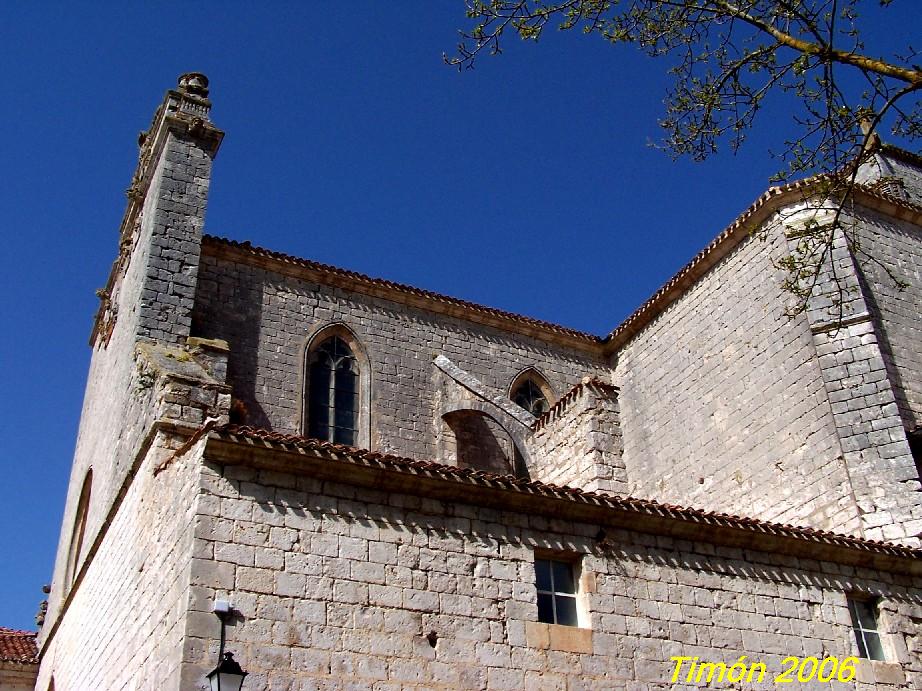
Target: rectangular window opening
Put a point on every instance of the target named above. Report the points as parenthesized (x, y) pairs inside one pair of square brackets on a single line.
[(864, 616), (556, 583)]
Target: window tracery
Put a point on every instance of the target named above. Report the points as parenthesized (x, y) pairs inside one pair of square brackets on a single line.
[(333, 392), (528, 395), (76, 539)]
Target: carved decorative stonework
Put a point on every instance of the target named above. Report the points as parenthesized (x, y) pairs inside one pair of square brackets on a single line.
[(194, 83), (183, 112)]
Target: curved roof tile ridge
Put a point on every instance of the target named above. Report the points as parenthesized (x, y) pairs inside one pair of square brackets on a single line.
[(565, 399), (648, 506)]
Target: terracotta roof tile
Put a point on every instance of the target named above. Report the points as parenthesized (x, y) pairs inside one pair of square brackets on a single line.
[(563, 401), (641, 506), (18, 646)]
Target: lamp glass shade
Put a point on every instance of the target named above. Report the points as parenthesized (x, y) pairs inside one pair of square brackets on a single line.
[(227, 676)]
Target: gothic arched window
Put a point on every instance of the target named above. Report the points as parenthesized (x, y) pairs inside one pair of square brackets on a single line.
[(76, 537), (333, 392), (528, 395)]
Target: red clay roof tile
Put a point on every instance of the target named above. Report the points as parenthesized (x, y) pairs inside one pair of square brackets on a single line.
[(644, 506), (18, 646)]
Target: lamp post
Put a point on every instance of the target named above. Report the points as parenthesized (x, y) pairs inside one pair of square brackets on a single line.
[(227, 676)]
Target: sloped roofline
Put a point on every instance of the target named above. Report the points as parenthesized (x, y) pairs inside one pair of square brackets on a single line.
[(396, 292), (901, 154), (18, 646), (751, 219), (742, 227)]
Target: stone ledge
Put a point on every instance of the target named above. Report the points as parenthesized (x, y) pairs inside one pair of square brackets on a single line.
[(877, 672), (208, 343), (325, 461), (569, 639)]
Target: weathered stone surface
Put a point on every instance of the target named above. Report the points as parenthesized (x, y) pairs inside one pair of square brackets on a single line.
[(578, 443), (337, 582)]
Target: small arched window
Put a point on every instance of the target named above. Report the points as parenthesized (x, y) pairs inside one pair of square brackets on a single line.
[(528, 395), (333, 392), (76, 538)]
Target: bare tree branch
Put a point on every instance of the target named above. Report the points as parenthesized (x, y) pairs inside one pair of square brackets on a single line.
[(730, 56)]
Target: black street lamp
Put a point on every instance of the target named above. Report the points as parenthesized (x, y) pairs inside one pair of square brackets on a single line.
[(227, 676)]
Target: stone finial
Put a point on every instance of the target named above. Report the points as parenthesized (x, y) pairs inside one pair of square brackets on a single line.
[(194, 83)]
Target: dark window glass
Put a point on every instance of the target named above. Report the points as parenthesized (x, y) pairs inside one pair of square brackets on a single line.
[(556, 587), (563, 577), (543, 574), (528, 396), (864, 624), (566, 610), (332, 401), (872, 640), (546, 608)]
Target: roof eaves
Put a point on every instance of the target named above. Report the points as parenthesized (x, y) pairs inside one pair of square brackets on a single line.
[(18, 646), (728, 238), (278, 441), (402, 292), (900, 154)]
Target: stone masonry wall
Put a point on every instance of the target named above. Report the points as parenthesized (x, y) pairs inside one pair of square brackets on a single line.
[(267, 318), (149, 296), (106, 438), (898, 246), (723, 403), (578, 442), (894, 174), (911, 175), (168, 293), (851, 348), (157, 269), (334, 582), (124, 626), (15, 676), (128, 606)]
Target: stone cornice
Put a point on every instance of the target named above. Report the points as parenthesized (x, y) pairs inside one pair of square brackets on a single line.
[(324, 274)]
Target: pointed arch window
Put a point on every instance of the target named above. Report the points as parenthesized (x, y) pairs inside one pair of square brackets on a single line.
[(333, 392), (528, 395), (76, 538)]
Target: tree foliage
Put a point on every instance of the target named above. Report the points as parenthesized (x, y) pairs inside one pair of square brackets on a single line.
[(728, 59)]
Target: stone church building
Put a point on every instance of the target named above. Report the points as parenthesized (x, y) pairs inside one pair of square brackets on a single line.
[(393, 489)]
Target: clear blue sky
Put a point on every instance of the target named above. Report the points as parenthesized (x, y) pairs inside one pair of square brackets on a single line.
[(526, 184)]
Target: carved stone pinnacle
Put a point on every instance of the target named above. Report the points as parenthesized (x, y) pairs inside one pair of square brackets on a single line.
[(194, 83)]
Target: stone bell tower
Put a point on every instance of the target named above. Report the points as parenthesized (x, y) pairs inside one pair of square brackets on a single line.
[(162, 227), (146, 305)]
